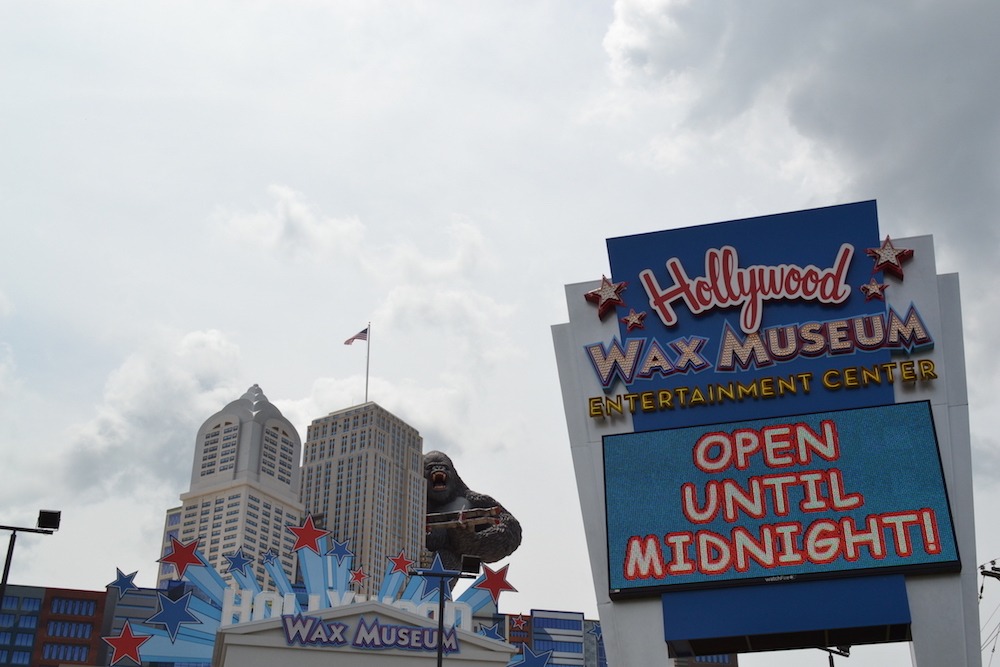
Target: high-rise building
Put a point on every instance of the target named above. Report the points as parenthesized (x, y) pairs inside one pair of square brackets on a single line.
[(362, 480), (244, 488)]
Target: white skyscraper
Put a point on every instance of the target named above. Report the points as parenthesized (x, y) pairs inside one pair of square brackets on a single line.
[(362, 480), (244, 488)]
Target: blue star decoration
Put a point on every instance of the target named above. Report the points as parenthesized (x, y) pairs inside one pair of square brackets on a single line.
[(491, 631), (269, 557), (172, 614), (597, 632), (124, 583), (237, 562), (436, 578), (531, 659), (340, 550)]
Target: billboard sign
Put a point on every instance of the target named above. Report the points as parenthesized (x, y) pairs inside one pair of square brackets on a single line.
[(783, 314), (779, 499), (772, 404)]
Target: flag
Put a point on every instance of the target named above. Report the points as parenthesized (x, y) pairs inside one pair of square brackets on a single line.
[(361, 335)]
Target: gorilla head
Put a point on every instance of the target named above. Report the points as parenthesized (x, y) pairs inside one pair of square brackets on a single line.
[(443, 483)]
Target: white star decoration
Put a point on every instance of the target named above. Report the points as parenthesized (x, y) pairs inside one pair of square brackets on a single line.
[(874, 290), (889, 258), (607, 296), (634, 320)]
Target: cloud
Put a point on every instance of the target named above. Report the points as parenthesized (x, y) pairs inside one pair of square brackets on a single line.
[(897, 97), (431, 282), (6, 307), (144, 427), (8, 372), (459, 250), (293, 226)]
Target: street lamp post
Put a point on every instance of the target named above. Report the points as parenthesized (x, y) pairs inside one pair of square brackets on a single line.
[(48, 523), (470, 569)]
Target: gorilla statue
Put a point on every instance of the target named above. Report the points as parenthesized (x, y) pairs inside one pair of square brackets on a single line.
[(492, 535)]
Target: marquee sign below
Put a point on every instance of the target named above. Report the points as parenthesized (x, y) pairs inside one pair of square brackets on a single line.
[(784, 498)]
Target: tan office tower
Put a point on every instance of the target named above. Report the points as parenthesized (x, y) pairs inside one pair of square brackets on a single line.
[(362, 480), (244, 489)]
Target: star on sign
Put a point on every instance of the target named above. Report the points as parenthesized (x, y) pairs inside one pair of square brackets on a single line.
[(172, 614), (634, 320), (358, 576), (237, 562), (126, 644), (491, 631), (873, 290), (307, 535), (518, 622), (268, 557), (531, 659), (340, 550), (607, 296), (889, 258), (401, 563), (436, 578), (495, 582), (124, 583), (182, 555)]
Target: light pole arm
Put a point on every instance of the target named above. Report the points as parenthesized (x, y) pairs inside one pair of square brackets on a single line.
[(44, 531), (10, 553)]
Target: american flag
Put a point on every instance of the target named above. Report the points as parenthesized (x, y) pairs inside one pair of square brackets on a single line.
[(361, 335)]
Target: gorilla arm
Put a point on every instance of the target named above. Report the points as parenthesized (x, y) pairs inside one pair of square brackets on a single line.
[(489, 542)]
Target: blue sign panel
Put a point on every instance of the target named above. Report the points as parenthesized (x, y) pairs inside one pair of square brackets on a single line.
[(781, 314), (784, 498)]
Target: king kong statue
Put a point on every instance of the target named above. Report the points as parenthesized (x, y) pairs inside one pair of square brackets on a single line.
[(462, 521)]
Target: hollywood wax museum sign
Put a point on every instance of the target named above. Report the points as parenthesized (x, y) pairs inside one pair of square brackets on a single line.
[(760, 399), (184, 630)]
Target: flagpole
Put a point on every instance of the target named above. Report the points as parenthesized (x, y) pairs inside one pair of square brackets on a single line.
[(368, 356)]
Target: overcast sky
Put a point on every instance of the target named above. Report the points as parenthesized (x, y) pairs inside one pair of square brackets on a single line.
[(200, 196)]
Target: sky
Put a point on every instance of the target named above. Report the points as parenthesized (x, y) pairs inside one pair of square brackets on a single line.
[(196, 197)]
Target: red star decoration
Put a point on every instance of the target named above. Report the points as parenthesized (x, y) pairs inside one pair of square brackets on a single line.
[(518, 622), (182, 555), (607, 296), (634, 320), (873, 290), (495, 582), (126, 645), (889, 258), (307, 535), (401, 563), (358, 576)]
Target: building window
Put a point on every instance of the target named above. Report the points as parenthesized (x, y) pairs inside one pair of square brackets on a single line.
[(71, 607), (70, 629)]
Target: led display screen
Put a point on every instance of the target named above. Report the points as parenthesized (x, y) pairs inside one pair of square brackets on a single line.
[(778, 499)]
